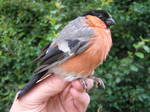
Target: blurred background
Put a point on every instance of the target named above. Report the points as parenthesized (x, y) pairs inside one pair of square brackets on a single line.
[(26, 26)]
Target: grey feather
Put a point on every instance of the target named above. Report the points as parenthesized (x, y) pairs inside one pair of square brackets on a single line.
[(76, 29)]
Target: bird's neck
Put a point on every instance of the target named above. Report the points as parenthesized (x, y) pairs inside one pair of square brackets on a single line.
[(94, 21)]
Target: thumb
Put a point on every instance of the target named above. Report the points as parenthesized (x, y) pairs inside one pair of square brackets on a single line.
[(45, 89)]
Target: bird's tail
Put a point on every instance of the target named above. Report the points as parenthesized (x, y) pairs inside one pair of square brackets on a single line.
[(30, 84)]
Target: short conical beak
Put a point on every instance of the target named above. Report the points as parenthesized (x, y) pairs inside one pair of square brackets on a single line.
[(110, 21)]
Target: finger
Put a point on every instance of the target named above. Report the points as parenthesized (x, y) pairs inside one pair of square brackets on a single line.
[(80, 100), (65, 93), (48, 87), (77, 85)]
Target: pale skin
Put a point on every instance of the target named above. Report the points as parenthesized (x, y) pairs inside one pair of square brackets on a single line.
[(53, 94)]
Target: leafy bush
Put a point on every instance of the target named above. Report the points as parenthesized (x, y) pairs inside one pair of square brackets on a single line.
[(27, 25)]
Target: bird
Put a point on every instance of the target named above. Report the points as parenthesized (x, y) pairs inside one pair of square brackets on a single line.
[(80, 47)]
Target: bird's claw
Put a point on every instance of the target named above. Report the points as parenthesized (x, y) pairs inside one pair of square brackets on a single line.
[(84, 84), (98, 82)]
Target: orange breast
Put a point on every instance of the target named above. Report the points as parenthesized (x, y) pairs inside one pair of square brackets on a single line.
[(86, 62)]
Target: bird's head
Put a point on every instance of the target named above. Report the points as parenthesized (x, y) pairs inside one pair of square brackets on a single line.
[(103, 15)]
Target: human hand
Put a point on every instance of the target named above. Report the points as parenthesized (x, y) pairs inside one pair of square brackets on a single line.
[(53, 94)]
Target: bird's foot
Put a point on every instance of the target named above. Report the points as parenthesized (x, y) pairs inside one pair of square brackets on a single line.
[(98, 82), (84, 84)]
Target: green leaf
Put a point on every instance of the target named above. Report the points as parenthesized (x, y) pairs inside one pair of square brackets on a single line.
[(147, 49), (133, 68), (0, 53), (139, 54)]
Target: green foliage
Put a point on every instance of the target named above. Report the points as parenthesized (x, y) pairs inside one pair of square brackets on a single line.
[(27, 25)]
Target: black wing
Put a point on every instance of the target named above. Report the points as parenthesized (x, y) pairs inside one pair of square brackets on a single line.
[(53, 55)]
